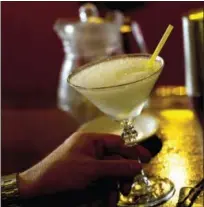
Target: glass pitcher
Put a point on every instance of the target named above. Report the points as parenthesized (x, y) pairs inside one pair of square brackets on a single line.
[(83, 41)]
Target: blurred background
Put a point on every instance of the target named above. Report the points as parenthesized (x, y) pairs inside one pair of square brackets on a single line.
[(34, 69), (32, 54), (38, 53)]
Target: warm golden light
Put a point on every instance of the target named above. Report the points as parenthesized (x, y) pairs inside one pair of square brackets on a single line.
[(183, 115), (171, 90), (179, 91), (181, 156), (96, 20), (164, 91), (177, 170), (196, 16), (182, 151), (125, 28)]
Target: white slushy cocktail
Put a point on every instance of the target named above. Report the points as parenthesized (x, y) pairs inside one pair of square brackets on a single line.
[(118, 87)]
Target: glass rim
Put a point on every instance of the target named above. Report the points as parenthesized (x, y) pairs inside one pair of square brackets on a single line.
[(106, 59)]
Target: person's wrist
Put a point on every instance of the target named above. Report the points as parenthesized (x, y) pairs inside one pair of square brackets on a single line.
[(27, 185)]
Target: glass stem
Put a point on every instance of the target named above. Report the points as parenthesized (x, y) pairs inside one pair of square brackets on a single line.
[(145, 178), (129, 137)]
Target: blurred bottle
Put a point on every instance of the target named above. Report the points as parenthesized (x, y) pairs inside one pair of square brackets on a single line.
[(88, 39), (83, 41)]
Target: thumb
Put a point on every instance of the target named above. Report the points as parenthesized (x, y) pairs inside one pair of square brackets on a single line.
[(118, 168)]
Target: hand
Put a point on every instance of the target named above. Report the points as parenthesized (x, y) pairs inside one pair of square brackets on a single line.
[(80, 161)]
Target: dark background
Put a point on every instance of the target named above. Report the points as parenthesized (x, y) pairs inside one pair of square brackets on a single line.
[(31, 60), (32, 53)]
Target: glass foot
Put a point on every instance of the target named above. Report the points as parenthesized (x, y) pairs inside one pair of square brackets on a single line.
[(158, 191)]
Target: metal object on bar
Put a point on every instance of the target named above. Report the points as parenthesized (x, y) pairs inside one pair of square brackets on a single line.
[(193, 36), (193, 194)]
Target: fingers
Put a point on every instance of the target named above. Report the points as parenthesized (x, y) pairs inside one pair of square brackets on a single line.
[(115, 145), (143, 153), (113, 157), (117, 168), (107, 140), (125, 184), (134, 153)]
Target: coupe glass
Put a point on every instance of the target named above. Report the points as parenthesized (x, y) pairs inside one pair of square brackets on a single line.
[(123, 102)]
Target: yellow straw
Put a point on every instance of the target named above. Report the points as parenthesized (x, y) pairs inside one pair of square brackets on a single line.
[(160, 45), (157, 50)]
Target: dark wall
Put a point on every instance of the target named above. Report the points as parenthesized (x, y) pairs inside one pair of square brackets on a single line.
[(32, 53)]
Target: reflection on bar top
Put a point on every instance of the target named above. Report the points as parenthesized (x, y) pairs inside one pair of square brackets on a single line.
[(181, 157), (182, 115)]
